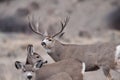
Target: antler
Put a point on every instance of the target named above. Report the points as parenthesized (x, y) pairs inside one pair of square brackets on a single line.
[(32, 24), (63, 25)]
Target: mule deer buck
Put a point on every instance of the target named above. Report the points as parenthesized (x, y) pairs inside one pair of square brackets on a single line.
[(95, 56), (71, 69)]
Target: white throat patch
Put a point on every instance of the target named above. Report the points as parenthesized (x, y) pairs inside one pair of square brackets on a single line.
[(48, 50)]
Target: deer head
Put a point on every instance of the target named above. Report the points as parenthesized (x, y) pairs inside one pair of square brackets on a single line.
[(48, 40), (32, 56), (29, 70)]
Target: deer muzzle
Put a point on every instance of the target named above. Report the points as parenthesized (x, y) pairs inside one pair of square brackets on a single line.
[(43, 43)]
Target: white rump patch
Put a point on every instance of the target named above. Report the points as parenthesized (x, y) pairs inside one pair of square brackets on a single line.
[(117, 55), (83, 68)]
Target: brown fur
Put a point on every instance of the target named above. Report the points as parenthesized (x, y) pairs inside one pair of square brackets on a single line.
[(94, 56), (60, 76), (71, 67)]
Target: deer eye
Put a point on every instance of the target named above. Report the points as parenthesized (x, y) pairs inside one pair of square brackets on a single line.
[(24, 70), (37, 57), (50, 40)]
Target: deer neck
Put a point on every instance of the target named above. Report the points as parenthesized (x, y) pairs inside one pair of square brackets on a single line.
[(56, 51)]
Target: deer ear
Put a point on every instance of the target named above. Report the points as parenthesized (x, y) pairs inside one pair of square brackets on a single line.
[(18, 65), (38, 64), (30, 49), (61, 34)]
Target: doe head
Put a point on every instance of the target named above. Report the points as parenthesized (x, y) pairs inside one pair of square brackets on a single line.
[(28, 70)]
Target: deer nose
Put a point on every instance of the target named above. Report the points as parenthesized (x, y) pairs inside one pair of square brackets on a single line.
[(43, 44), (29, 77)]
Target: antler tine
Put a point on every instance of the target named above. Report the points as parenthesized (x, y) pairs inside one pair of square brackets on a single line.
[(63, 25), (31, 25)]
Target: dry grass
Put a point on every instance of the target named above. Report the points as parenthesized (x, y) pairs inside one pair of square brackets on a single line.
[(87, 25)]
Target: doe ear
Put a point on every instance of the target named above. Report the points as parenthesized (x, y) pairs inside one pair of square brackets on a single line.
[(38, 64), (18, 65), (30, 49)]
